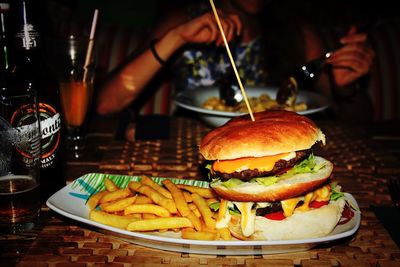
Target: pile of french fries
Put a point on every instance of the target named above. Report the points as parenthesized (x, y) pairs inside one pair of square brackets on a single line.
[(146, 206)]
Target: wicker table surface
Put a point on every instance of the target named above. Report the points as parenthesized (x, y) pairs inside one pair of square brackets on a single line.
[(360, 168)]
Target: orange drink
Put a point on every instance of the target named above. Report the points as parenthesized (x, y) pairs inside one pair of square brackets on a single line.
[(75, 100)]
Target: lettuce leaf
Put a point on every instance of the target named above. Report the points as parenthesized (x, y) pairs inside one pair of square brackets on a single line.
[(232, 182), (336, 192), (265, 180), (214, 206)]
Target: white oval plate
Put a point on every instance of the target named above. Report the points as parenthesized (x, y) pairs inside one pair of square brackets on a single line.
[(70, 202), (194, 99)]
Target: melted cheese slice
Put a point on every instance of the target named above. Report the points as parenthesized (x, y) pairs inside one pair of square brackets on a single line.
[(321, 194), (250, 163), (248, 217)]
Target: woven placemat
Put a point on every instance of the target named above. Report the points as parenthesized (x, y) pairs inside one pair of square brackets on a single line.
[(360, 170), (174, 157), (62, 243)]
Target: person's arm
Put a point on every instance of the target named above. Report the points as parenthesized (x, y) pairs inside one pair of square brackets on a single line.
[(348, 64), (124, 87), (119, 91)]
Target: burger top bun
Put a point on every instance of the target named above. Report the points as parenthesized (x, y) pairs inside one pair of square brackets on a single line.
[(271, 133)]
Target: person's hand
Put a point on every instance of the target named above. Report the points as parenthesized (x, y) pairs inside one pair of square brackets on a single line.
[(204, 29), (353, 60)]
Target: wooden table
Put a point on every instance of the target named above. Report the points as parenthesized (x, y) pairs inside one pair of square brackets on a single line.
[(362, 167)]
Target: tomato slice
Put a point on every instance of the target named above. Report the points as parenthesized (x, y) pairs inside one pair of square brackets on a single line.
[(347, 214), (277, 216), (318, 204)]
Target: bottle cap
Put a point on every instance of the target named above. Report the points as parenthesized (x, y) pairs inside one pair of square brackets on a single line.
[(4, 7)]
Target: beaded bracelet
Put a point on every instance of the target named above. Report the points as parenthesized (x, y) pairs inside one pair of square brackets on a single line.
[(154, 52)]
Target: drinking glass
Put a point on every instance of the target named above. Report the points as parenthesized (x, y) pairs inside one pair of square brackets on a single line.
[(76, 89), (19, 164)]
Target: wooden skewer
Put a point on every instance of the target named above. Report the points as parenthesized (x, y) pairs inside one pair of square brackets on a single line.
[(231, 59)]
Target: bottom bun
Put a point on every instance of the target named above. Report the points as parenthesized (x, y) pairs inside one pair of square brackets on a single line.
[(301, 225)]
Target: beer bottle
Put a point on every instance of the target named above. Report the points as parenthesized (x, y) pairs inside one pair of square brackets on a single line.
[(19, 141), (32, 68), (303, 77)]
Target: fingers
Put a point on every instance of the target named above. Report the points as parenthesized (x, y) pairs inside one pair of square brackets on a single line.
[(227, 28), (352, 30), (351, 62), (353, 38), (237, 23), (231, 26), (213, 27), (204, 29), (356, 55)]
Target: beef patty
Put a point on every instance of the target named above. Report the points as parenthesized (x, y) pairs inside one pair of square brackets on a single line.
[(280, 167)]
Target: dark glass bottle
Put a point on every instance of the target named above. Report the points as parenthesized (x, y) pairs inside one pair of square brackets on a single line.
[(19, 119), (32, 68), (302, 78), (229, 89)]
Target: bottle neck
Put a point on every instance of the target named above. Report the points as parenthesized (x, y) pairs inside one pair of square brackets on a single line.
[(4, 39), (27, 36)]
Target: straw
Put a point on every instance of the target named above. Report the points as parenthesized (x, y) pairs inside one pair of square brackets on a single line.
[(231, 59), (90, 44)]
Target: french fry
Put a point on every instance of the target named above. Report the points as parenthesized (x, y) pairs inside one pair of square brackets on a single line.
[(110, 219), (159, 223), (141, 199), (146, 216), (118, 194), (94, 199), (178, 197), (147, 208), (224, 233), (118, 205), (195, 221), (204, 192), (223, 207), (155, 196), (188, 196), (223, 216), (134, 186), (199, 235), (181, 204), (147, 181), (205, 228), (205, 211), (136, 215), (110, 185), (194, 209)]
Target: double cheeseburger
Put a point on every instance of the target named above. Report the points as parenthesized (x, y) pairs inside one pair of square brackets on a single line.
[(271, 184)]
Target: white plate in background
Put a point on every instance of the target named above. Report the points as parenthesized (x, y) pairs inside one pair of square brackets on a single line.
[(194, 99)]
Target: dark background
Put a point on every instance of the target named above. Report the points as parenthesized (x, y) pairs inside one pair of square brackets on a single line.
[(145, 13)]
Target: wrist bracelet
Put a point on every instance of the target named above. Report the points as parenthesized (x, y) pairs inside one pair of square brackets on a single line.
[(154, 52)]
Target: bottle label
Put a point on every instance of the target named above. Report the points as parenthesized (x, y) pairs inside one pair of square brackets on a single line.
[(25, 135), (50, 125), (29, 36)]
